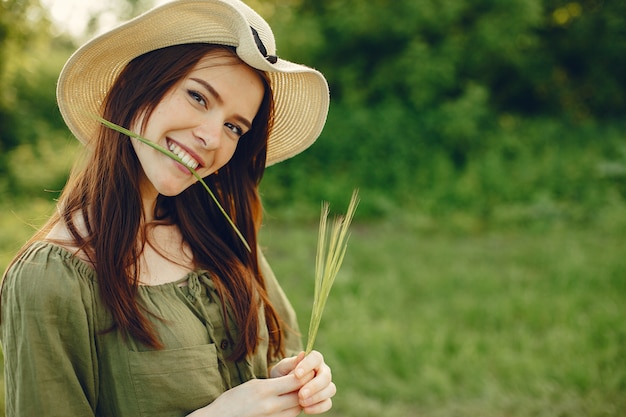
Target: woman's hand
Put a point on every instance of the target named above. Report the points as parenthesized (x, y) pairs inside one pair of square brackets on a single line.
[(257, 398), (301, 383), (318, 388)]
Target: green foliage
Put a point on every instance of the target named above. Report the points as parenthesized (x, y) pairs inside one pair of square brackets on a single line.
[(424, 323), (484, 108), (30, 60), (584, 43), (36, 138), (533, 56), (498, 111), (22, 30)]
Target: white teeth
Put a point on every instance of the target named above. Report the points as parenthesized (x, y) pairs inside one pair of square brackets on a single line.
[(184, 156)]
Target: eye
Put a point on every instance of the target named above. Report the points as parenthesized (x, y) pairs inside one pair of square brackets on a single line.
[(196, 96), (234, 129)]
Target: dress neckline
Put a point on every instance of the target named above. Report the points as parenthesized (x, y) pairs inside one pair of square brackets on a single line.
[(82, 264)]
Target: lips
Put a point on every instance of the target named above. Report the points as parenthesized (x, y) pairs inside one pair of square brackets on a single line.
[(187, 159)]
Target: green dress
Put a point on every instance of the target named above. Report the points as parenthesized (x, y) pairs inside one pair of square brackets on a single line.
[(60, 361)]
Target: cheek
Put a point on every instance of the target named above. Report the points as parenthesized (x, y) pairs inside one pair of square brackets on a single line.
[(221, 158), (228, 151), (164, 116)]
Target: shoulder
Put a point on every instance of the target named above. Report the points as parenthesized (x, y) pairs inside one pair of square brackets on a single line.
[(48, 333), (46, 275), (60, 235)]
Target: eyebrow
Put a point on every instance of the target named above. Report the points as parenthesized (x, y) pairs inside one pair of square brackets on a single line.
[(220, 100)]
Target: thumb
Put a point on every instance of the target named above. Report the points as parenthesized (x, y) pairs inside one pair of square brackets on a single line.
[(287, 365)]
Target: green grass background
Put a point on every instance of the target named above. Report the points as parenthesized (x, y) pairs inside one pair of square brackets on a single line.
[(502, 323), (424, 321)]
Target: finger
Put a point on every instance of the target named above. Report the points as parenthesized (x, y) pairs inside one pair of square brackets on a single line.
[(285, 403), (311, 363), (310, 400), (283, 385), (291, 412), (287, 365), (317, 389), (282, 406), (319, 408), (322, 379), (300, 357)]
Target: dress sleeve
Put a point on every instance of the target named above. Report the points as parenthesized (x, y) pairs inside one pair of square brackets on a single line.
[(293, 340), (47, 336)]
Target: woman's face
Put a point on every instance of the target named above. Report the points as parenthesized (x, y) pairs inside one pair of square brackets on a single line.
[(201, 120)]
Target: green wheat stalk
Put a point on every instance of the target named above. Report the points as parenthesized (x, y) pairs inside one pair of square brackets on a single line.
[(331, 250), (177, 159)]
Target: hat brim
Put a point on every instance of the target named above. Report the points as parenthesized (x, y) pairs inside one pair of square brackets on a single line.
[(301, 93)]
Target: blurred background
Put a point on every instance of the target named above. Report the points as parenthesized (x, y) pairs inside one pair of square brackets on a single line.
[(486, 273)]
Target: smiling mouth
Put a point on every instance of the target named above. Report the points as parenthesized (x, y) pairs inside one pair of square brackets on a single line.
[(188, 160)]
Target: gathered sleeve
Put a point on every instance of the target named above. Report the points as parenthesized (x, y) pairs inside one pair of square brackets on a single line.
[(48, 335)]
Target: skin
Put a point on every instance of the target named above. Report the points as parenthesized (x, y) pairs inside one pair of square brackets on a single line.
[(205, 115), (302, 383)]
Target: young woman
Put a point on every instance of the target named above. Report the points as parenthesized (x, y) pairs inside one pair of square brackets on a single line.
[(138, 298)]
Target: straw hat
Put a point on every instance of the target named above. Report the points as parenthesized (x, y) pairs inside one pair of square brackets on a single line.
[(300, 93)]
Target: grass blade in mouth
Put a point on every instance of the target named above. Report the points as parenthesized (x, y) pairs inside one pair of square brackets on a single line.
[(330, 253), (175, 157)]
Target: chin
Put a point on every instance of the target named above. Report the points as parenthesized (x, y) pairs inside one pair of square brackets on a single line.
[(173, 191)]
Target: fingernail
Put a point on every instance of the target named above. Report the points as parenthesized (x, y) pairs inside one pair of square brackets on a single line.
[(305, 393)]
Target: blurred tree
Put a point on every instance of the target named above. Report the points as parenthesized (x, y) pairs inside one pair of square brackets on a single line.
[(584, 45), (32, 52), (533, 56), (117, 11), (435, 85), (445, 64), (23, 32)]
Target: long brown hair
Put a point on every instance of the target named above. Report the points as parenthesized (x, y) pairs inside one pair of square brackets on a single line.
[(105, 192)]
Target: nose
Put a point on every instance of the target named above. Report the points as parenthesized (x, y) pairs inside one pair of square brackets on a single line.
[(208, 132)]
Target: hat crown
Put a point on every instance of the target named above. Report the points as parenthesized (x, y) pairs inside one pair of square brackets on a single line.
[(300, 93), (259, 25), (257, 40)]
